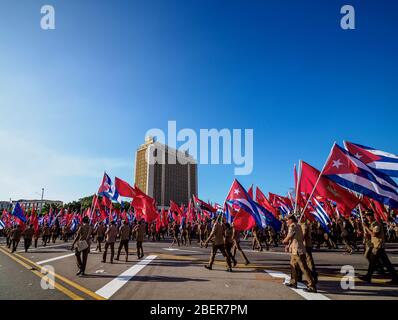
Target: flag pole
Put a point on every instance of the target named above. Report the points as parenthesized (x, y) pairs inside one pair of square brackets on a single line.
[(297, 186), (316, 183)]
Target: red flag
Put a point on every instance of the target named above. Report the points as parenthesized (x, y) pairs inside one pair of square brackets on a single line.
[(250, 191), (262, 200), (243, 221), (124, 189), (326, 188), (106, 202), (34, 219), (144, 206), (175, 208)]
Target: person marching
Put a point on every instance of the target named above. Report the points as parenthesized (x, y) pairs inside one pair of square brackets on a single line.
[(83, 245), (100, 232), (218, 244), (376, 252), (46, 234), (306, 229), (124, 233), (229, 242), (110, 234), (27, 237), (139, 230), (236, 239), (16, 237), (295, 245)]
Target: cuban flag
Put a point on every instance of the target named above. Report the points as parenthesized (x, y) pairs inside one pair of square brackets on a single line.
[(350, 172), (355, 213), (320, 215), (74, 225), (108, 189), (2, 224), (239, 197), (18, 213), (380, 160)]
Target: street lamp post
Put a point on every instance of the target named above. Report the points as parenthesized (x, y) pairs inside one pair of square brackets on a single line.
[(41, 203)]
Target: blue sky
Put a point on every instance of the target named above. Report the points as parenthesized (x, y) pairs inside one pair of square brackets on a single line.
[(78, 100)]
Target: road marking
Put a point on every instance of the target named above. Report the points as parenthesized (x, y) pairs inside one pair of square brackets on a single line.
[(56, 258), (67, 281), (113, 286), (59, 287), (300, 286), (182, 250)]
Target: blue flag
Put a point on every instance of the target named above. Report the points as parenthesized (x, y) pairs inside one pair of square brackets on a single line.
[(18, 212)]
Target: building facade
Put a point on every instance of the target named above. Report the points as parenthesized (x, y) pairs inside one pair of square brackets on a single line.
[(38, 204), (167, 175)]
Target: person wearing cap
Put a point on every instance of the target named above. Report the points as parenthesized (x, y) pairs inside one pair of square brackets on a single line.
[(376, 252), (217, 234), (295, 245)]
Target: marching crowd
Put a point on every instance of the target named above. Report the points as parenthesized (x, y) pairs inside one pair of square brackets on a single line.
[(300, 238)]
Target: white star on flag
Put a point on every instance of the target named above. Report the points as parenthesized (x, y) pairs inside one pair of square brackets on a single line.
[(236, 191), (337, 163), (357, 155)]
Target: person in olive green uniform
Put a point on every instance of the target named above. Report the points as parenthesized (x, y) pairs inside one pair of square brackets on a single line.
[(236, 238), (124, 234), (376, 252), (27, 237), (139, 230), (100, 232), (306, 229), (83, 234), (295, 242), (46, 234), (218, 244), (111, 234), (229, 242)]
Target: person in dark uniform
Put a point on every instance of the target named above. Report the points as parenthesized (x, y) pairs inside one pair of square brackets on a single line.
[(27, 237), (377, 255), (176, 232), (16, 237), (46, 234), (83, 234), (124, 234)]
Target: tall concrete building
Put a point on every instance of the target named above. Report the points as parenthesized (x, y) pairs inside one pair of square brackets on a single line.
[(165, 179)]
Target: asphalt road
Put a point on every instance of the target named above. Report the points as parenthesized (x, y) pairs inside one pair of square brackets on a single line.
[(178, 273)]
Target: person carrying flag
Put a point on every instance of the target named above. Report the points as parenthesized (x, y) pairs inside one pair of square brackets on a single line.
[(16, 237), (100, 233), (295, 245), (111, 234), (218, 244), (377, 254), (139, 230), (124, 233), (236, 238), (27, 237)]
